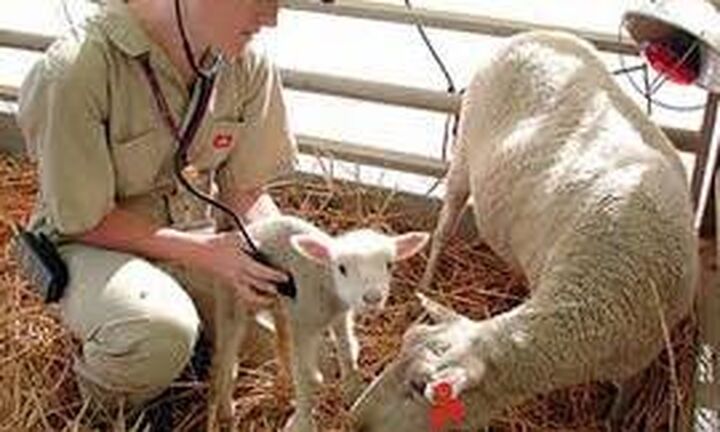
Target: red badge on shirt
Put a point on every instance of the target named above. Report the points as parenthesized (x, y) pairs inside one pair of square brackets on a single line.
[(222, 141)]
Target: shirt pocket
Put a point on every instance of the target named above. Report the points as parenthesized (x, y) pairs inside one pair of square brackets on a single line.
[(141, 162), (218, 143)]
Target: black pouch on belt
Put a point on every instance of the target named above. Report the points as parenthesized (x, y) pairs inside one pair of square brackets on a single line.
[(41, 263)]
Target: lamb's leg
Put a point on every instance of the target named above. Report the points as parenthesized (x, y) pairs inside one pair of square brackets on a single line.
[(304, 368), (348, 352), (229, 326), (284, 352), (458, 190)]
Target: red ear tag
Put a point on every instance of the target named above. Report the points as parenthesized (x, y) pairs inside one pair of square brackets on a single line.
[(445, 408), (222, 141)]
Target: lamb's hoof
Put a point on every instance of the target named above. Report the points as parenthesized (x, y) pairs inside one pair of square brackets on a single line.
[(298, 424), (218, 425), (220, 420), (283, 394)]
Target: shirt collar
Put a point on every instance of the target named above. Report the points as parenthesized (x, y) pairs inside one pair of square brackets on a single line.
[(123, 28)]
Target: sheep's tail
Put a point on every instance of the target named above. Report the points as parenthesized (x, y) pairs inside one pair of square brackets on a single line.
[(458, 190)]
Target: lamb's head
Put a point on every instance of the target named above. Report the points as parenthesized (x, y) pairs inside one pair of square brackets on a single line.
[(360, 261)]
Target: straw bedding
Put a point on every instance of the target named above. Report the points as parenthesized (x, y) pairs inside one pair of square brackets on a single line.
[(37, 391)]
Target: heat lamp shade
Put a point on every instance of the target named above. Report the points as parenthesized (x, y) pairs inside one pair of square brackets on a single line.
[(648, 20)]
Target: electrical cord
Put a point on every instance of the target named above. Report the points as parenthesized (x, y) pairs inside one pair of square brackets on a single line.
[(433, 51), (452, 120)]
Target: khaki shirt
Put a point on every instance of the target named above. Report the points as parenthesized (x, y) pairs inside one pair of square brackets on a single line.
[(89, 117)]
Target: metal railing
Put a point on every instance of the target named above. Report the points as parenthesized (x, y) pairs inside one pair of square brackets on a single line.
[(463, 22), (411, 97)]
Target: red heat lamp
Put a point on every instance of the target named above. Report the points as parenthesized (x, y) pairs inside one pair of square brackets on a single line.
[(677, 57), (680, 39)]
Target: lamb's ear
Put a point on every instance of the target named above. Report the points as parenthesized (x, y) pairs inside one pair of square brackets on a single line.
[(313, 247), (408, 244)]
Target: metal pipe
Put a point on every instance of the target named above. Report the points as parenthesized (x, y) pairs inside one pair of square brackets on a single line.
[(683, 139), (366, 155), (478, 24), (371, 91), (306, 81)]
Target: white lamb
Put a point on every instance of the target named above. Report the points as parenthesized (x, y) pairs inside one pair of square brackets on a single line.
[(335, 277), (576, 187)]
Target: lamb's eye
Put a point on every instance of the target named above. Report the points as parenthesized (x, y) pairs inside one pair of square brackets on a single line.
[(389, 266), (343, 269)]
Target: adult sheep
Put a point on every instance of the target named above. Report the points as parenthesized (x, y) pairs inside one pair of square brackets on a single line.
[(573, 185)]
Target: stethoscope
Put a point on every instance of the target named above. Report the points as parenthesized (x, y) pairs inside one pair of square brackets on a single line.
[(185, 133)]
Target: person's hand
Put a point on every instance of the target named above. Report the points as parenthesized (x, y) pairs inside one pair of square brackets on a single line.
[(225, 256)]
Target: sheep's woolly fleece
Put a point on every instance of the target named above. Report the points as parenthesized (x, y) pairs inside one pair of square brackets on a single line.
[(574, 185)]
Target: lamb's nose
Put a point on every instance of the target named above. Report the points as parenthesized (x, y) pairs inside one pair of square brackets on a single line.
[(372, 297)]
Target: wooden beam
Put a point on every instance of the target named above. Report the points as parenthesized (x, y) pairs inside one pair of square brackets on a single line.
[(307, 81), (456, 21), (11, 141), (373, 91), (391, 13), (24, 40), (8, 93), (367, 155)]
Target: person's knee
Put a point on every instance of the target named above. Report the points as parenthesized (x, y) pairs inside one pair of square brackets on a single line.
[(139, 357), (169, 346)]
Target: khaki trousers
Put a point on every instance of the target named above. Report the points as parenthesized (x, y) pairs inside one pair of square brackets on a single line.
[(137, 324)]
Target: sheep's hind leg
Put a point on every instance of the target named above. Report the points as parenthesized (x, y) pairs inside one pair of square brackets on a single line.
[(458, 191)]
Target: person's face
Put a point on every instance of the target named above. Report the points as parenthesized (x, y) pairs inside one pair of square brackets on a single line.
[(230, 24)]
